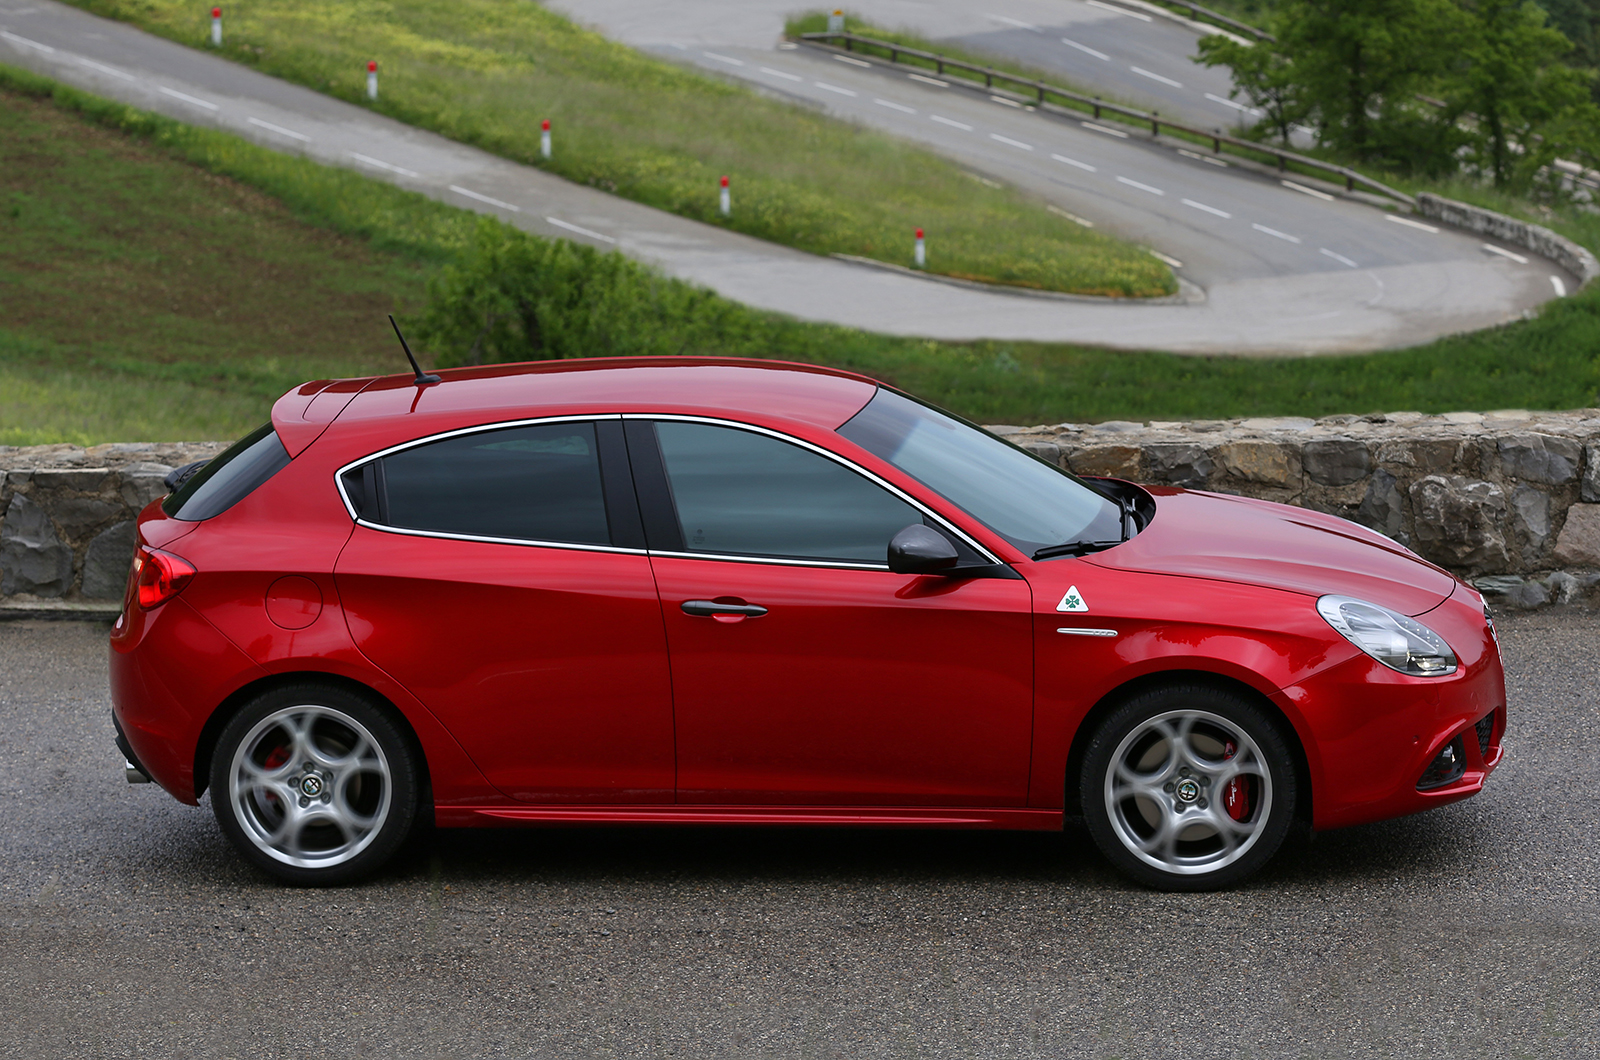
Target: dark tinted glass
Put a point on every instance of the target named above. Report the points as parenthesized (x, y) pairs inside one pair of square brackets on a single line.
[(1030, 503), (749, 494), (235, 473), (539, 483)]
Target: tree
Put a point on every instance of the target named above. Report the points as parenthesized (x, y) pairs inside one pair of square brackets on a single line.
[(1264, 75)]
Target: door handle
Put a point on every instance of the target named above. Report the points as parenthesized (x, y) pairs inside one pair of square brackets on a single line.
[(711, 608)]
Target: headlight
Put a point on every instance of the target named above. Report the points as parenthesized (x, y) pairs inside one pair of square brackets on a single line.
[(1400, 643)]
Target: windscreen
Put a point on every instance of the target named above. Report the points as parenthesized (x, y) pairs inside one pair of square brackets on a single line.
[(230, 478), (1028, 502)]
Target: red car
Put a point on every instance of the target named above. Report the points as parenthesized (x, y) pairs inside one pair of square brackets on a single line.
[(725, 592)]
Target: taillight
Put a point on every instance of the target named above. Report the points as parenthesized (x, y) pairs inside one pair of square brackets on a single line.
[(158, 576)]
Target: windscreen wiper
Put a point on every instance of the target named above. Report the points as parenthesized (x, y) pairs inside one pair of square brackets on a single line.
[(1075, 548)]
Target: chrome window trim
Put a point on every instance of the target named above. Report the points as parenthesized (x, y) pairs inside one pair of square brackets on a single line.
[(344, 497), (836, 458)]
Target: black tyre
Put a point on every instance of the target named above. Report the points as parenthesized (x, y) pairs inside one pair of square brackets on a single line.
[(1188, 788), (314, 784)]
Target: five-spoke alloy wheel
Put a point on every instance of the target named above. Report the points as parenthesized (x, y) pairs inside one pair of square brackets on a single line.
[(314, 784), (1188, 788)]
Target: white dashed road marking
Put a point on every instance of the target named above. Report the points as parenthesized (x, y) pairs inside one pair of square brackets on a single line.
[(1009, 140), (730, 60), (280, 130), (780, 73), (1142, 72), (1409, 223), (852, 62), (1340, 258), (591, 233), (193, 100), (929, 80), (833, 88), (1504, 253), (942, 120), (378, 163), (1073, 162), (1174, 262), (1276, 234), (901, 107), (1003, 101), (1303, 190), (484, 198), (104, 69), (1141, 187), (1069, 42), (1015, 22), (1084, 221), (1207, 209), (1118, 133), (1561, 288), (1118, 10), (1231, 103)]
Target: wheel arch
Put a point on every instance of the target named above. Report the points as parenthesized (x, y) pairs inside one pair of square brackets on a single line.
[(1165, 678), (209, 733)]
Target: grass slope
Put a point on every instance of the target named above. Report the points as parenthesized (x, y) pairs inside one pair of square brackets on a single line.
[(159, 281), (486, 72)]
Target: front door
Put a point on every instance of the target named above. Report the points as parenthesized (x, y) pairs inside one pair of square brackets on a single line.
[(804, 672)]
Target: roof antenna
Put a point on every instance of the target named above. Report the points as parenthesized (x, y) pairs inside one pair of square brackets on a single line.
[(423, 378)]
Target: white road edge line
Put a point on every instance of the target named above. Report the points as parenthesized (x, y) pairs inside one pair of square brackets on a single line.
[(780, 73), (1504, 253), (104, 69), (730, 60), (1084, 221), (1207, 209), (1303, 190), (892, 105), (1009, 140), (175, 94), (280, 130), (1409, 223), (1275, 233), (1074, 162), (378, 163), (578, 229), (1118, 133), (459, 190), (1069, 42), (1340, 258), (942, 120), (1142, 72), (833, 88), (1174, 262), (25, 42), (1142, 187), (852, 62), (1118, 10), (929, 80), (1561, 287)]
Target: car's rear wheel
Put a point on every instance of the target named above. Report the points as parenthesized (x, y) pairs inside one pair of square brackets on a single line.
[(314, 784), (1188, 788)]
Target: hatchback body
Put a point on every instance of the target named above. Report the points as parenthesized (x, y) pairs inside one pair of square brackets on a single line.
[(707, 592)]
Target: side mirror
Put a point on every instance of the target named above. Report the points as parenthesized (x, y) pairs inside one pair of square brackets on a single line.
[(920, 550)]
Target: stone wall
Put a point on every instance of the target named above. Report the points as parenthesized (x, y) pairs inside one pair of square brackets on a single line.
[(67, 514), (1564, 252), (1509, 500)]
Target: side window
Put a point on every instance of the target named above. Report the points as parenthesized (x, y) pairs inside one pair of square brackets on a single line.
[(744, 493), (534, 483)]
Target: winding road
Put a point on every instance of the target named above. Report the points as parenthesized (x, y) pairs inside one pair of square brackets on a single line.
[(1268, 268)]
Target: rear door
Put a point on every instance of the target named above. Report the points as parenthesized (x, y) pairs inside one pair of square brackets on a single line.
[(805, 672), (500, 575)]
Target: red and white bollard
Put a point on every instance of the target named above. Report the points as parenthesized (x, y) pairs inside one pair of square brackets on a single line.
[(372, 80), (920, 255), (544, 138), (216, 26), (727, 203)]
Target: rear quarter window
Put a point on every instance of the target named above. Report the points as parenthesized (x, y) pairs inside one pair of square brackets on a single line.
[(235, 474)]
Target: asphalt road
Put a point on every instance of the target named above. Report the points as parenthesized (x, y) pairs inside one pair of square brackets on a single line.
[(1255, 247), (130, 928)]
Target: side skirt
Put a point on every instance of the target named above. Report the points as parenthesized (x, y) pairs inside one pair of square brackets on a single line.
[(881, 816)]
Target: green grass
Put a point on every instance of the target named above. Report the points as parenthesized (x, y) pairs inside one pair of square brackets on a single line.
[(163, 282), (486, 72)]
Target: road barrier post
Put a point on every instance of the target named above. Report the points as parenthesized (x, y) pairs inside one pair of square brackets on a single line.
[(216, 26), (1097, 108), (920, 256), (544, 138), (727, 203), (1155, 123), (372, 80)]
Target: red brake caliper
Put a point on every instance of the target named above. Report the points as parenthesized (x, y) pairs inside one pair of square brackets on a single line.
[(1236, 793)]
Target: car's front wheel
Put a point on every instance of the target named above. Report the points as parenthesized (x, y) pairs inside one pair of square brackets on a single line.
[(314, 784), (1188, 788)]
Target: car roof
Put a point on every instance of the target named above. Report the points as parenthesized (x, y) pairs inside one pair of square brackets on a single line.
[(723, 387)]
